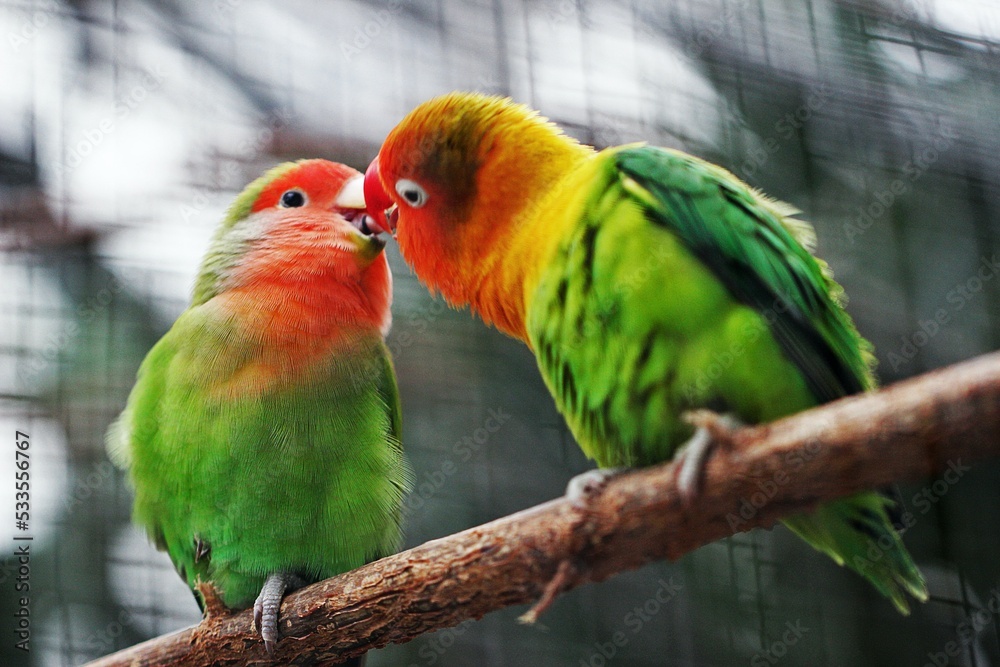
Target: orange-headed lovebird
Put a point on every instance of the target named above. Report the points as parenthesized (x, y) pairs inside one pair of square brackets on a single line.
[(650, 285)]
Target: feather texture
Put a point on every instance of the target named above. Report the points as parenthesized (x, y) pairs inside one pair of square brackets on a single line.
[(648, 283), (263, 432)]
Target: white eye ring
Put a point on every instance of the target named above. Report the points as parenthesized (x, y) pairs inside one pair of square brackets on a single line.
[(411, 192)]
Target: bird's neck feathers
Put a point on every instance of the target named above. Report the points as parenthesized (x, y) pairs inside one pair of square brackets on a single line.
[(297, 307), (514, 240), (295, 293)]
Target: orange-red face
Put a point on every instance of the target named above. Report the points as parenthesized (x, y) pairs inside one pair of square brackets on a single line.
[(445, 174), (462, 177), (427, 168), (317, 189), (311, 218), (464, 174), (304, 237)]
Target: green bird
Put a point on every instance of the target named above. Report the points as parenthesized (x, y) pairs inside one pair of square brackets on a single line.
[(263, 433), (648, 283)]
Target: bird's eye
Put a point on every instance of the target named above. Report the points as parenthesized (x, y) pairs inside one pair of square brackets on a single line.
[(293, 199), (414, 195)]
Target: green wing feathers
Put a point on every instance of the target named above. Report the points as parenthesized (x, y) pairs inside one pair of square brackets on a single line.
[(761, 256), (759, 253), (676, 287)]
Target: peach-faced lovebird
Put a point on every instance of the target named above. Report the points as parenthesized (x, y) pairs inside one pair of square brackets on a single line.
[(653, 287), (263, 433)]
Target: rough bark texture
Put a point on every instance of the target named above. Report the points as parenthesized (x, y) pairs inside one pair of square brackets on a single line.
[(904, 432)]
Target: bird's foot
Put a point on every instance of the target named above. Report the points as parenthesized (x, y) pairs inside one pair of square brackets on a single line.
[(564, 578), (711, 430), (585, 486), (581, 492), (265, 607)]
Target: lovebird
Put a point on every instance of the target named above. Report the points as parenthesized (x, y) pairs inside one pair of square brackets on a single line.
[(262, 436), (652, 286)]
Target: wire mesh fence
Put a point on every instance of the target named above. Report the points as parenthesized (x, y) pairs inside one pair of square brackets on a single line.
[(126, 129)]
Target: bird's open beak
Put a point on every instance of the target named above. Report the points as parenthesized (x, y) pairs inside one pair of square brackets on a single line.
[(352, 197), (378, 199)]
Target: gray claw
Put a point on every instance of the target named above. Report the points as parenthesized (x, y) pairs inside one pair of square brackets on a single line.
[(711, 431), (265, 607), (691, 461), (586, 485)]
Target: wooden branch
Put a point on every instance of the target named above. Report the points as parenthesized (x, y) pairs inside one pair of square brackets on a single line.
[(907, 431)]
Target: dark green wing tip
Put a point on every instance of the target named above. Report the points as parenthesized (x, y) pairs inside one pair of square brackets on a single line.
[(913, 584), (751, 246), (856, 533), (895, 576), (892, 571)]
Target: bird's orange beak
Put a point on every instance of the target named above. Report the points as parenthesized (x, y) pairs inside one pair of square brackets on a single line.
[(377, 200)]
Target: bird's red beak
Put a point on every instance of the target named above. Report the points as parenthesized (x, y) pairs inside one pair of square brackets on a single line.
[(377, 200)]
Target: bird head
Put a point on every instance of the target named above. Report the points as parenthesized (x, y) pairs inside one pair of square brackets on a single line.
[(455, 175), (300, 225)]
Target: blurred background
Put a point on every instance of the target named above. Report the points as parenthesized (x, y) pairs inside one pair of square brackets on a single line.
[(127, 128)]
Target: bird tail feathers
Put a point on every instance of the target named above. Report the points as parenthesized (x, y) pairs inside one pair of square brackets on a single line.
[(856, 532)]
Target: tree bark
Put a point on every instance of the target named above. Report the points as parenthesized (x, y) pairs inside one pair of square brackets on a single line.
[(904, 432)]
